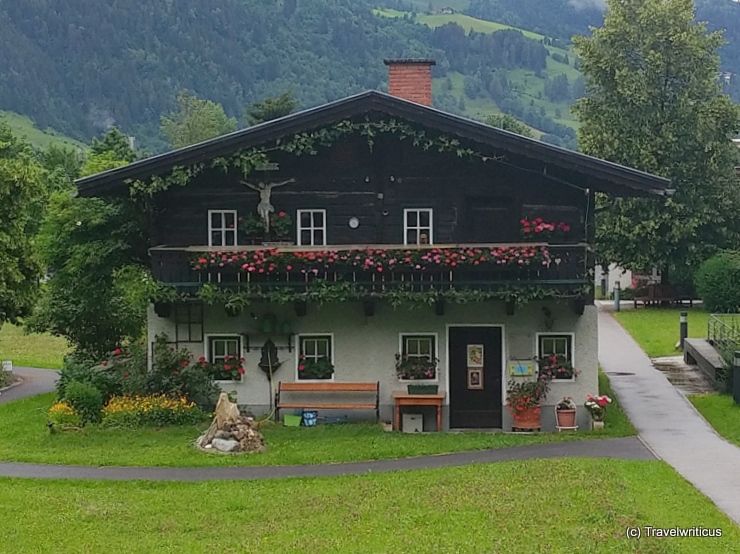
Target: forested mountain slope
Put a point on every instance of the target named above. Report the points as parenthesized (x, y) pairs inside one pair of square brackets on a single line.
[(80, 65)]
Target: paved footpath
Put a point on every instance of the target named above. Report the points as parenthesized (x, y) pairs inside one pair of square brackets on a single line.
[(35, 381), (667, 422)]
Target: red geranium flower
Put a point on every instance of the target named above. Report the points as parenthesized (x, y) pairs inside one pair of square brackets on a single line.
[(241, 371), (117, 352)]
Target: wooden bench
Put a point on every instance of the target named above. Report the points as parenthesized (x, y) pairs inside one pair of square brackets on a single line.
[(659, 294), (326, 389)]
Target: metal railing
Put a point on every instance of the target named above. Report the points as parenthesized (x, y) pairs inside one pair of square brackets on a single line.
[(723, 332)]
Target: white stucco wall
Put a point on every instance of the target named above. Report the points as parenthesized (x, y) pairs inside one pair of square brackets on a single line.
[(364, 347)]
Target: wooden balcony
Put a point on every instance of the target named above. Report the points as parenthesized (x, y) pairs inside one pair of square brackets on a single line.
[(557, 268)]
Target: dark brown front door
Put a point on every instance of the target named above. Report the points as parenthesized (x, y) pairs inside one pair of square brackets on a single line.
[(475, 377)]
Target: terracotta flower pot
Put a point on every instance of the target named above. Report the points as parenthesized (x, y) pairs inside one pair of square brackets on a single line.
[(566, 418), (526, 419)]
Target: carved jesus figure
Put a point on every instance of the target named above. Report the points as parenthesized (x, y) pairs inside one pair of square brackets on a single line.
[(264, 208)]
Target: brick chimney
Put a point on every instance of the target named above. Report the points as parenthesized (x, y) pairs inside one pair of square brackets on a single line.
[(411, 79)]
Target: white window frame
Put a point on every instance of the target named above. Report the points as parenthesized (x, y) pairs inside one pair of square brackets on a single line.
[(435, 347), (299, 352), (223, 229), (224, 336), (418, 227), (571, 354), (312, 228)]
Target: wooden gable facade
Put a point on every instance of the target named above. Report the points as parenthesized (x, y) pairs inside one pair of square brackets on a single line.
[(390, 190)]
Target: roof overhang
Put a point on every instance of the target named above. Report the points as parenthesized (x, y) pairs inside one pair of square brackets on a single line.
[(600, 174)]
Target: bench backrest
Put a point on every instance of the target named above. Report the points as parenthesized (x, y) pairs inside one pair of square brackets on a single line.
[(328, 387)]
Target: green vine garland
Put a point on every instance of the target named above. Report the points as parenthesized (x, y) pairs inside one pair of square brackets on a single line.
[(306, 143)]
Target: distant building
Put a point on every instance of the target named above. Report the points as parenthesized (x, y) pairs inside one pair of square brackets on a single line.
[(447, 11)]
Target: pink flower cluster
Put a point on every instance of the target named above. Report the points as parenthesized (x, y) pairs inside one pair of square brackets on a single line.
[(539, 227), (373, 260)]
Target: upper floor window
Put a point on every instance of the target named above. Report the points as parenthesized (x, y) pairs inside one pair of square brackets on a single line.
[(311, 227), (221, 227), (417, 226)]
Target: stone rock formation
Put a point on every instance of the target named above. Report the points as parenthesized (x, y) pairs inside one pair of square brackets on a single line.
[(230, 431)]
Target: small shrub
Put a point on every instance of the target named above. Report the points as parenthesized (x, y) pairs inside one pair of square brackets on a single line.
[(175, 374), (86, 400), (62, 414), (151, 411), (82, 370), (718, 282)]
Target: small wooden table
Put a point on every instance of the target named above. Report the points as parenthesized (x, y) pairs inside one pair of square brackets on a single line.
[(406, 399)]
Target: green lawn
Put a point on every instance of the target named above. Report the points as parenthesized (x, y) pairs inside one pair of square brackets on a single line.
[(24, 438), (721, 412), (42, 351), (657, 329), (537, 506)]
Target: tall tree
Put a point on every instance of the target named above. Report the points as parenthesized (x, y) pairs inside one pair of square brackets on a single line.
[(91, 248), (654, 103), (116, 142), (271, 108), (195, 120), (21, 192)]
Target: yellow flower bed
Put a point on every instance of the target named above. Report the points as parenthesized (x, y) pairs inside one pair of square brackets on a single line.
[(62, 414), (150, 410)]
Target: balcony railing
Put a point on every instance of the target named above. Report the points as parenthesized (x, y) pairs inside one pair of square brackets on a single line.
[(561, 268)]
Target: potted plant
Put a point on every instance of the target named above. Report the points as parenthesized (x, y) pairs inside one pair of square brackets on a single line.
[(281, 225), (565, 413), (322, 368), (544, 231), (253, 228), (556, 366), (417, 368), (596, 406), (523, 400)]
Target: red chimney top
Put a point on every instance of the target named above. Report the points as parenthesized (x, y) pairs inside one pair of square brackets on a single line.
[(411, 79)]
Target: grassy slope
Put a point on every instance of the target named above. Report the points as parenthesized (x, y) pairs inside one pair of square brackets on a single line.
[(573, 506), (530, 87), (42, 351), (656, 330), (23, 126)]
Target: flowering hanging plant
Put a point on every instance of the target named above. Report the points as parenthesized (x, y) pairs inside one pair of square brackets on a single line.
[(522, 395), (556, 366), (229, 368), (540, 230), (596, 406), (374, 260), (309, 368), (281, 224), (415, 368)]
